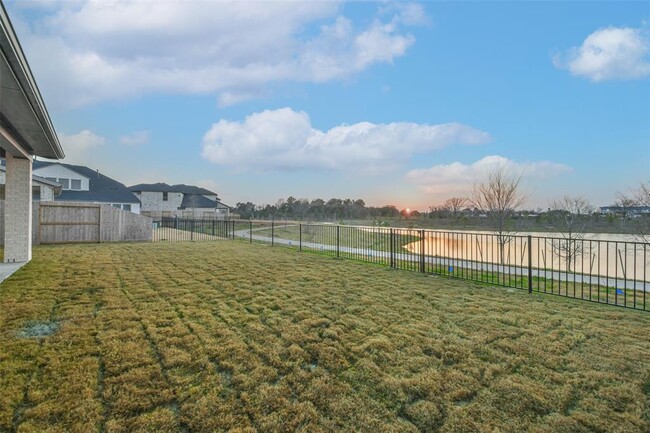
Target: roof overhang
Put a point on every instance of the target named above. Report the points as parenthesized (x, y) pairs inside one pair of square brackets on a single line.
[(25, 125)]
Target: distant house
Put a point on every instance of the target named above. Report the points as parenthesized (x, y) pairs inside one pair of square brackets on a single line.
[(160, 200), (79, 183), (42, 189), (629, 211)]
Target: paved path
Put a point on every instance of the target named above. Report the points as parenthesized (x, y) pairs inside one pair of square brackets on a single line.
[(593, 280)]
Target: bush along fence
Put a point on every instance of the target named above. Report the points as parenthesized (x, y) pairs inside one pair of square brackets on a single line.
[(615, 272)]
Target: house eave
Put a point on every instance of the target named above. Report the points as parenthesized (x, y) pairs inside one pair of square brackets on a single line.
[(24, 115)]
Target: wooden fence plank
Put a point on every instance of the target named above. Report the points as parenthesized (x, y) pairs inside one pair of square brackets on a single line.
[(79, 222)]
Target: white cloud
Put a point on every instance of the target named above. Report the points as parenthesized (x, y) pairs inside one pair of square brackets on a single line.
[(135, 139), (228, 98), (339, 50), (81, 141), (609, 54), (457, 177), (406, 13), (78, 147), (285, 139), (90, 51)]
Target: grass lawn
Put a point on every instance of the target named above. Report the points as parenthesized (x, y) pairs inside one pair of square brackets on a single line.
[(227, 336)]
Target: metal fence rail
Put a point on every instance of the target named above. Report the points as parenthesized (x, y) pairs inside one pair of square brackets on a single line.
[(604, 271), (176, 229)]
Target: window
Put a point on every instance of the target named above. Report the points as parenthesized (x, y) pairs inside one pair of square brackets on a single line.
[(117, 205), (126, 207), (165, 196), (75, 184), (53, 179), (65, 183)]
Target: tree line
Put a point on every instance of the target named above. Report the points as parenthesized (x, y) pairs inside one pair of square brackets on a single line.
[(317, 209)]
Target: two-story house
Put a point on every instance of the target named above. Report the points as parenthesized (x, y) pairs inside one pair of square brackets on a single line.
[(79, 183), (160, 200)]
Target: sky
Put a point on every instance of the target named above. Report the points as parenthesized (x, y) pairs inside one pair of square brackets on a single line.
[(393, 102)]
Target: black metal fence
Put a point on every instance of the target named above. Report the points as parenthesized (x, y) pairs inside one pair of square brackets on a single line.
[(613, 272), (177, 229)]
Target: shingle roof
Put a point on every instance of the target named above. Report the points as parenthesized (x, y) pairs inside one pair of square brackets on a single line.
[(163, 187), (150, 187), (102, 188), (197, 201), (191, 189)]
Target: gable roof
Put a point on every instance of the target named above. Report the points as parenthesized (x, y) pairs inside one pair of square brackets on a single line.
[(151, 187), (191, 189), (163, 187), (197, 201), (101, 187)]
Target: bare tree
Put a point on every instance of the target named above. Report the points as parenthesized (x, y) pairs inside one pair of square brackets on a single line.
[(499, 197), (642, 198), (624, 202), (455, 205), (571, 217), (642, 194)]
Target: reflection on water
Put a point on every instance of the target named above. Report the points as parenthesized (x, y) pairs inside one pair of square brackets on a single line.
[(610, 255)]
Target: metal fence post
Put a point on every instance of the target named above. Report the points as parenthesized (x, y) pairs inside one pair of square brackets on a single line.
[(392, 249), (422, 269), (530, 264), (233, 229), (213, 227), (300, 236), (251, 233), (272, 232), (192, 231), (338, 243)]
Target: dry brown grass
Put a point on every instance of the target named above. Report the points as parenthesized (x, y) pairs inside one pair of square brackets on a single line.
[(226, 336)]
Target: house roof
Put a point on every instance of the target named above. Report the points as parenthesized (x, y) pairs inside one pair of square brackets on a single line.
[(163, 187), (102, 188), (25, 125), (200, 202), (151, 187), (197, 201)]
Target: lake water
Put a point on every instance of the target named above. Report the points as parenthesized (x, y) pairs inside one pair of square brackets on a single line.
[(607, 255)]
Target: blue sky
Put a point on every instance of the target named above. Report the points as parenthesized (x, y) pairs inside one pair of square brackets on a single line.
[(395, 103)]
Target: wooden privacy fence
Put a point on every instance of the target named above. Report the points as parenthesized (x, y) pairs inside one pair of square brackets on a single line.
[(75, 222), (64, 222), (78, 222)]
